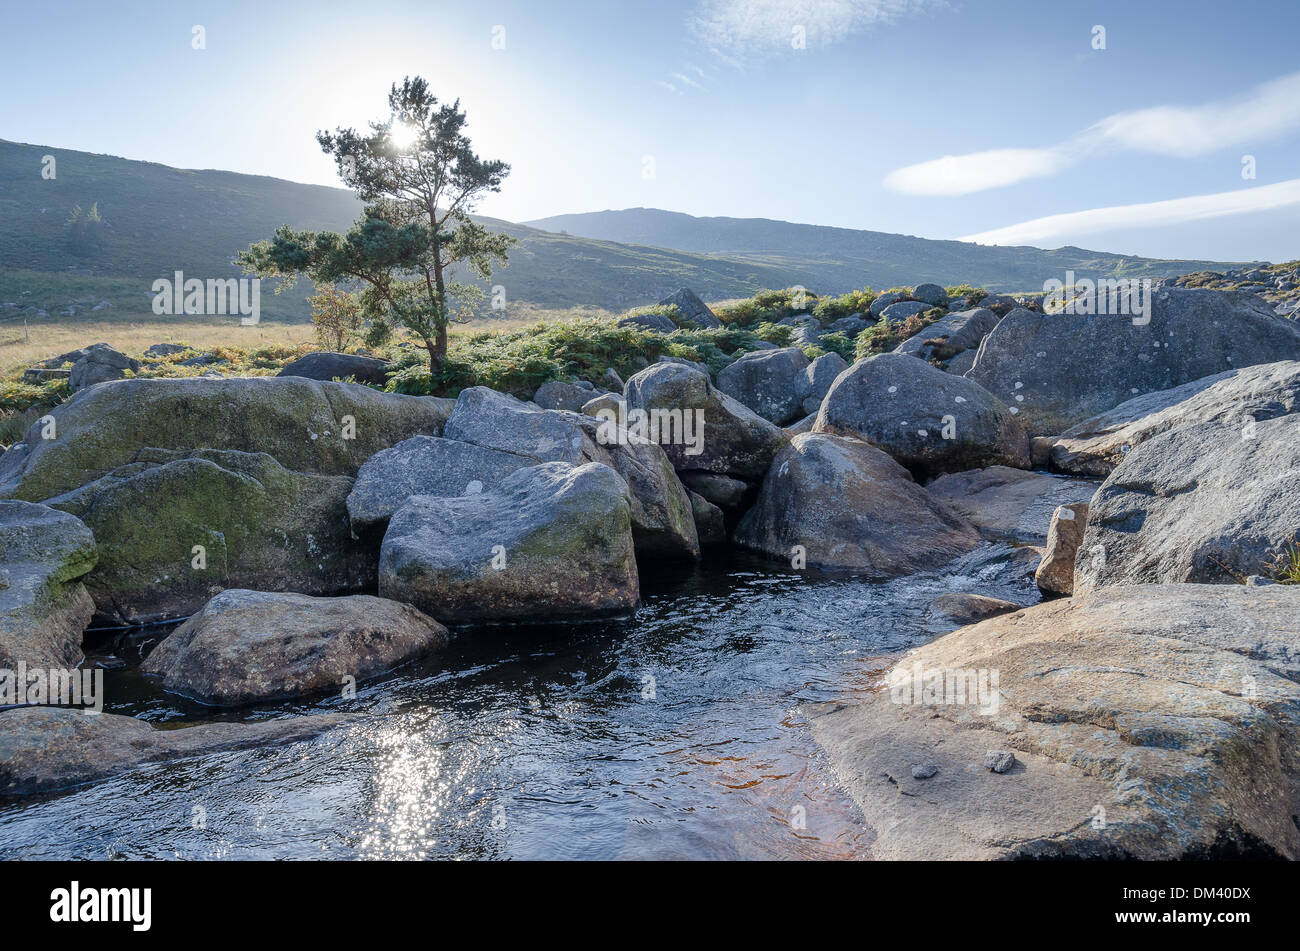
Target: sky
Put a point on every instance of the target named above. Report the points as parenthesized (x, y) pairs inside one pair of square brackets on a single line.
[(1165, 128)]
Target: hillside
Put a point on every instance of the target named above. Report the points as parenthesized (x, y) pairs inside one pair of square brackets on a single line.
[(840, 258), (157, 219)]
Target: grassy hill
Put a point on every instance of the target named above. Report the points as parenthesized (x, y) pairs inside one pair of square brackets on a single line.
[(157, 219), (836, 259)]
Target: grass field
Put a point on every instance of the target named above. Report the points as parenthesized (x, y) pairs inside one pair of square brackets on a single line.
[(45, 339)]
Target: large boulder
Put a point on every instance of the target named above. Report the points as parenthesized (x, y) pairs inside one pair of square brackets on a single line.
[(1237, 398), (550, 542), (661, 511), (710, 523), (928, 420), (1200, 503), (821, 374), (328, 365), (46, 749), (425, 465), (849, 506), (1064, 368), (1149, 722), (499, 421), (949, 336), (663, 523), (694, 311), (700, 427), (252, 646), (174, 528), (1009, 504), (773, 383), (43, 606), (307, 425)]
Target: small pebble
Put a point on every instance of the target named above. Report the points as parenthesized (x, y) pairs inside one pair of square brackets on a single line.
[(925, 771)]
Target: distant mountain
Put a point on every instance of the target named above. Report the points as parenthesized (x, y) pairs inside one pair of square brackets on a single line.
[(837, 259), (157, 220)]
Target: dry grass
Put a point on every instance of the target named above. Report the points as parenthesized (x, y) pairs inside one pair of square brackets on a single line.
[(45, 340)]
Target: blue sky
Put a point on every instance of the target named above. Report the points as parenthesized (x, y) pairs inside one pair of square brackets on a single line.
[(939, 118)]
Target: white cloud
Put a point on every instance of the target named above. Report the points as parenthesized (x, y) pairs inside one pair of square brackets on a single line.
[(1267, 111), (1042, 232), (962, 174), (750, 26), (686, 80)]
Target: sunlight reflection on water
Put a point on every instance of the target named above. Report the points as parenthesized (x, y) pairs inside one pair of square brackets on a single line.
[(543, 742)]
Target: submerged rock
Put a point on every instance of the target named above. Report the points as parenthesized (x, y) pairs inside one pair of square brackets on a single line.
[(46, 749), (1150, 722), (252, 646), (44, 608)]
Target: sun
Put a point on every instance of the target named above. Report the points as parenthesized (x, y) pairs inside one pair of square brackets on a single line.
[(402, 135)]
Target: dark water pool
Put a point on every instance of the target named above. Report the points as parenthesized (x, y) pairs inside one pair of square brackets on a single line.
[(675, 733)]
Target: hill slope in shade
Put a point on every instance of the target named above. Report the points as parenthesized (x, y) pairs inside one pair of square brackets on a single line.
[(839, 255), (158, 219)]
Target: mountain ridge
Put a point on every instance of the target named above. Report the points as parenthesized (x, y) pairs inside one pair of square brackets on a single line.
[(158, 219)]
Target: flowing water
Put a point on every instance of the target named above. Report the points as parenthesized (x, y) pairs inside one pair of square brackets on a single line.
[(678, 732)]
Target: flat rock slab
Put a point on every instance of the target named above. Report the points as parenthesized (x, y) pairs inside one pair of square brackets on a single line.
[(1010, 504), (47, 749), (1236, 398), (1148, 722), (253, 646)]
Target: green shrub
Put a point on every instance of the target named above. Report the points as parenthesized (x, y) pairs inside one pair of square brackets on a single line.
[(854, 302)]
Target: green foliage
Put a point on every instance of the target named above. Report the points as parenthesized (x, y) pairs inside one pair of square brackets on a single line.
[(1285, 568), (845, 305), (780, 334), (836, 342), (883, 336), (966, 291)]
